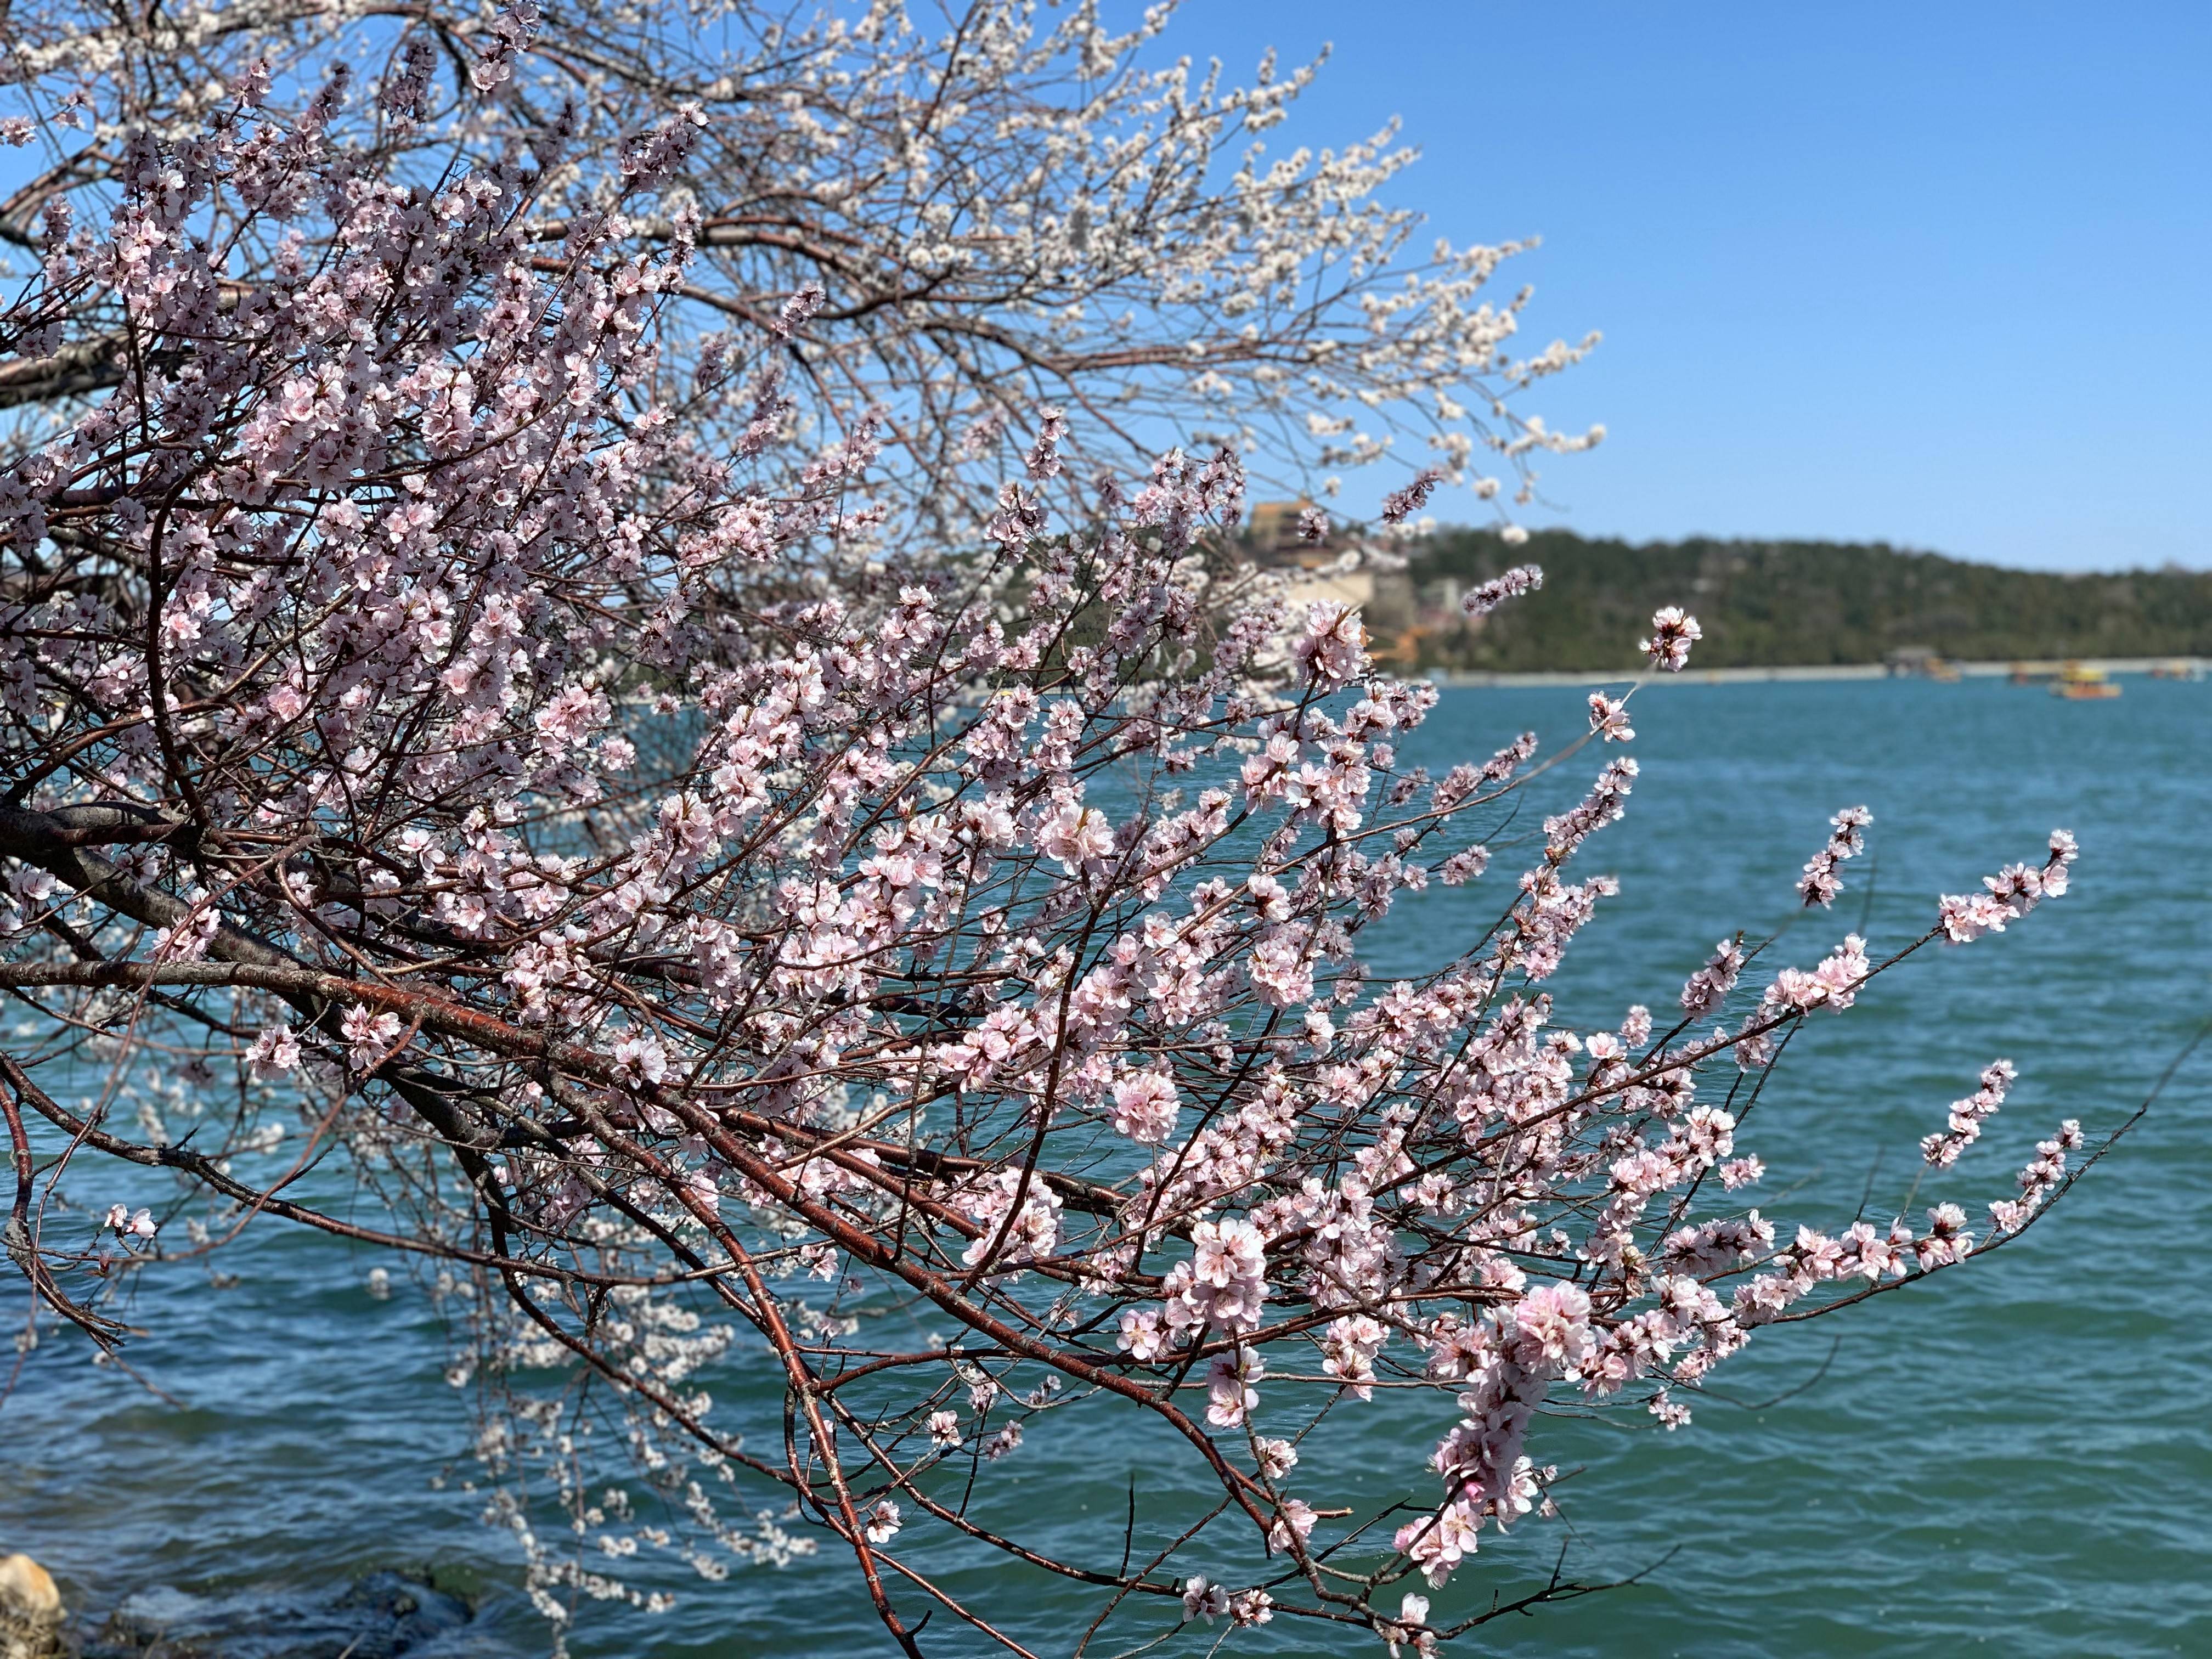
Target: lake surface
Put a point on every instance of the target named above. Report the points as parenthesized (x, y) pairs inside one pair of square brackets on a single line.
[(2017, 1456)]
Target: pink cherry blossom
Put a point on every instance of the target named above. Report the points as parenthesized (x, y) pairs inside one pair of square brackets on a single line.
[(772, 842), (1672, 633)]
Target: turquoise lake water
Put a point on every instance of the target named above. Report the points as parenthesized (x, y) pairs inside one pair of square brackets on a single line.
[(2017, 1456)]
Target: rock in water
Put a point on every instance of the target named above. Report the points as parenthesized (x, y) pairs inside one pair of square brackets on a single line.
[(382, 1616), (30, 1610)]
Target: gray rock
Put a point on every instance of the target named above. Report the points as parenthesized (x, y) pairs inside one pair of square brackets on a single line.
[(382, 1616)]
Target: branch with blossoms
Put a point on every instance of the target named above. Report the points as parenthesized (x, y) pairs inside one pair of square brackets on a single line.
[(936, 221), (424, 746)]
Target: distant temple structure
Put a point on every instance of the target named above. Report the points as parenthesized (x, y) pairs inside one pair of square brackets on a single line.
[(1353, 570), (1272, 534)]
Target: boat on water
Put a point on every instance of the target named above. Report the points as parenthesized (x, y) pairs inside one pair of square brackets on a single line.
[(2078, 684)]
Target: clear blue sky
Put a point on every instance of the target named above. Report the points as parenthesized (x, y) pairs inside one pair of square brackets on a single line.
[(1934, 274)]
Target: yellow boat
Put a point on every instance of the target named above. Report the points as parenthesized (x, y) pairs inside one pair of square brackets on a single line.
[(2078, 684)]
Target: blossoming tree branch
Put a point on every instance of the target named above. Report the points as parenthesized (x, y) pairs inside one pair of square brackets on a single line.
[(592, 642)]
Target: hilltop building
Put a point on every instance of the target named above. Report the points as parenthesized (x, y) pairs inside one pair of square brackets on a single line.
[(1355, 570)]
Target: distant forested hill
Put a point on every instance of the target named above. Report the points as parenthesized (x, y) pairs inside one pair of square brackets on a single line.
[(1770, 603)]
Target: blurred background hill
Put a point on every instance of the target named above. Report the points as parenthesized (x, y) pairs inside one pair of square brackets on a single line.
[(1774, 603)]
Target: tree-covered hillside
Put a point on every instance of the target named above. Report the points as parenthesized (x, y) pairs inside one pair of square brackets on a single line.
[(1768, 602)]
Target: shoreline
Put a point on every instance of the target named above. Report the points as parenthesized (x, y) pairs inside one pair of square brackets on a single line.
[(2038, 668)]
